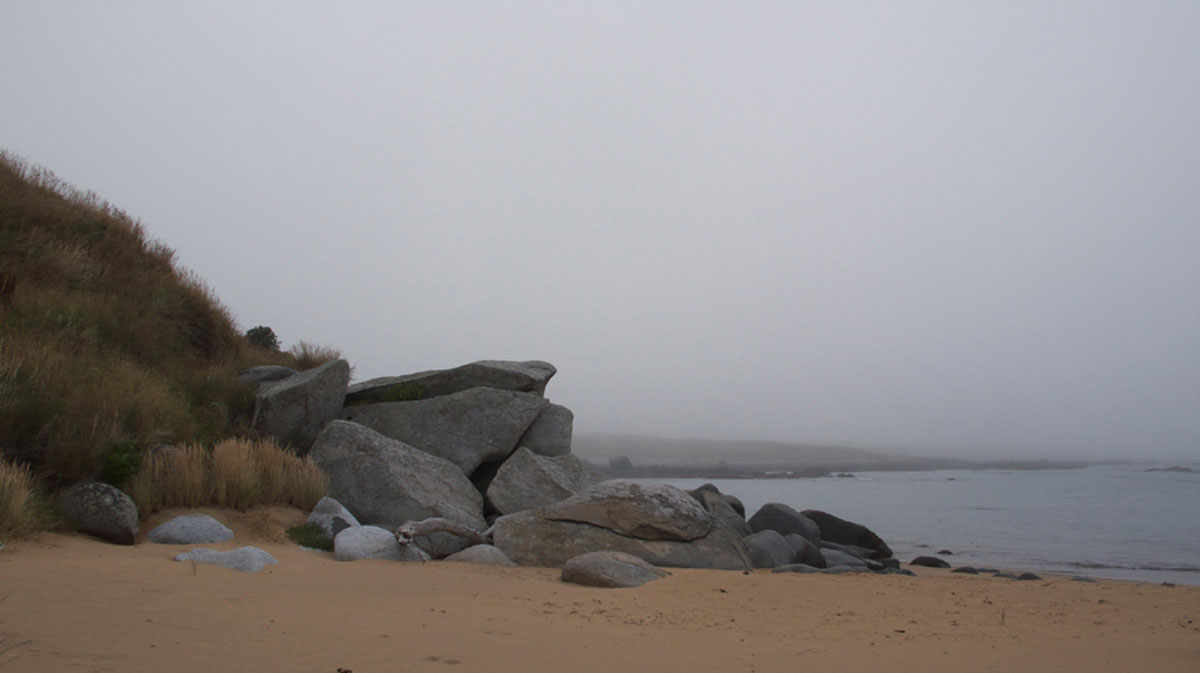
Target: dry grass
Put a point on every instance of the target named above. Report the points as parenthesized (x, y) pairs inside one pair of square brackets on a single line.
[(21, 508), (310, 355), (235, 473)]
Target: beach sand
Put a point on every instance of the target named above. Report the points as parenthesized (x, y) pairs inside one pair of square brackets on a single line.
[(71, 603)]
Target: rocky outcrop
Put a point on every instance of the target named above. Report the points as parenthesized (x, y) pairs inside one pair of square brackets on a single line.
[(550, 432), (785, 521), (482, 554), (841, 531), (363, 542), (609, 569), (265, 374), (721, 508), (768, 549), (527, 480), (386, 482), (645, 510), (293, 410), (332, 516), (245, 559), (525, 377), (467, 428), (100, 510), (190, 529)]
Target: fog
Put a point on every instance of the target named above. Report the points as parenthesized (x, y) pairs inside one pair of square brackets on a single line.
[(939, 227)]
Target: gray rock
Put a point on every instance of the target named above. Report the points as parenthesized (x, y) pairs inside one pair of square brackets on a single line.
[(806, 569), (805, 551), (294, 409), (1029, 576), (386, 482), (100, 510), (363, 542), (929, 562), (530, 540), (731, 500), (439, 537), (190, 529), (527, 480), (526, 377), (785, 521), (847, 532), (265, 374), (245, 559), (720, 508), (966, 570), (610, 570), (768, 549), (550, 432), (467, 428), (860, 552), (332, 516), (646, 510), (482, 554), (835, 558)]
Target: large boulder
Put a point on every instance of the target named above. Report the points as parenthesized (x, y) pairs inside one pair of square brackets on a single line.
[(768, 549), (806, 552), (363, 542), (439, 537), (722, 509), (525, 377), (245, 559), (387, 482), (550, 432), (531, 540), (332, 516), (841, 531), (731, 500), (610, 570), (190, 529), (293, 410), (785, 521), (638, 509), (527, 480), (467, 428), (101, 510)]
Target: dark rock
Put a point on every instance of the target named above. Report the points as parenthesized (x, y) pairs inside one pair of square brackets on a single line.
[(945, 552), (332, 516), (807, 569), (732, 500), (721, 509), (890, 563), (645, 510), (529, 377), (245, 559), (550, 432), (966, 570), (785, 521), (835, 558), (768, 549), (439, 537), (929, 562), (265, 374), (609, 569), (804, 551), (190, 529), (841, 531), (527, 480), (482, 554), (386, 482), (1083, 578), (363, 542), (100, 510), (898, 571), (1008, 576), (1173, 468), (293, 410), (1028, 576), (467, 428)]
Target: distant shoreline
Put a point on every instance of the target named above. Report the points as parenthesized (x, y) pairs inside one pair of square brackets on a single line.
[(726, 470)]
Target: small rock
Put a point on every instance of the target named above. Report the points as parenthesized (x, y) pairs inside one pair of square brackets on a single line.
[(190, 529), (363, 542), (1028, 576), (966, 570), (929, 562), (482, 554), (245, 559), (945, 552)]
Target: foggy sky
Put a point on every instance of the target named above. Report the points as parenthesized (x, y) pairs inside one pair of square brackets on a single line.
[(954, 227)]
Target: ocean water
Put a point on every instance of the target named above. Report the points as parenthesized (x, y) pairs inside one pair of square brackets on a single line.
[(1112, 521)]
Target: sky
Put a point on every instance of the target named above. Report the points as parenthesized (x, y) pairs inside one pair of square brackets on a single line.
[(942, 227)]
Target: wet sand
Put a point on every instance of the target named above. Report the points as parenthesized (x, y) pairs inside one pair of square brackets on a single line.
[(71, 603)]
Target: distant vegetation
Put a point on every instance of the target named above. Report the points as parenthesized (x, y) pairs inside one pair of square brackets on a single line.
[(107, 347)]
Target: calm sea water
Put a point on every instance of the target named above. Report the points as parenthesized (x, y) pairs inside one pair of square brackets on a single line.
[(1114, 521)]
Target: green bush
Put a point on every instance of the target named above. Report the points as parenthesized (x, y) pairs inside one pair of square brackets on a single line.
[(120, 463), (311, 535), (263, 337)]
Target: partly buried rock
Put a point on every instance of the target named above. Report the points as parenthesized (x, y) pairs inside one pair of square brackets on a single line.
[(550, 432), (294, 409), (836, 558), (609, 569), (640, 509), (386, 482), (929, 562), (785, 521), (805, 551), (101, 510), (467, 428), (527, 480), (841, 531), (525, 377), (190, 529), (245, 559), (363, 542), (332, 516), (768, 549), (481, 554)]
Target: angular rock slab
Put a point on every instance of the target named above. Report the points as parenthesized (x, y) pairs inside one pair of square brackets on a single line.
[(525, 377), (245, 559), (265, 374), (550, 433), (363, 542), (609, 570), (841, 531), (530, 540), (638, 509), (190, 529), (467, 428), (482, 554), (785, 521), (386, 482), (527, 480), (332, 516), (101, 510), (720, 507), (293, 410)]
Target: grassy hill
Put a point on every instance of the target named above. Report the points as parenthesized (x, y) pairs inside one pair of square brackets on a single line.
[(105, 342)]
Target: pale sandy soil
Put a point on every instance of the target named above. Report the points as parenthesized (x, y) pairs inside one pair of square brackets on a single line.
[(70, 603)]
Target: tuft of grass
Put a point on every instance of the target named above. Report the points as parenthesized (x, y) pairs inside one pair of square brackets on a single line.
[(310, 535), (22, 508), (235, 473), (309, 355)]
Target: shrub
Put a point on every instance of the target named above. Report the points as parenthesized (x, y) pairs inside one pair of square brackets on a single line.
[(120, 463), (309, 355), (263, 337), (311, 535), (22, 509)]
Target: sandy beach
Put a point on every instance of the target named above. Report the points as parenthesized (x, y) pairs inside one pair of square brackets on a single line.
[(71, 603)]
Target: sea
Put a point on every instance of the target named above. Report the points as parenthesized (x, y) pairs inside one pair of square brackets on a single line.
[(1103, 521)]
